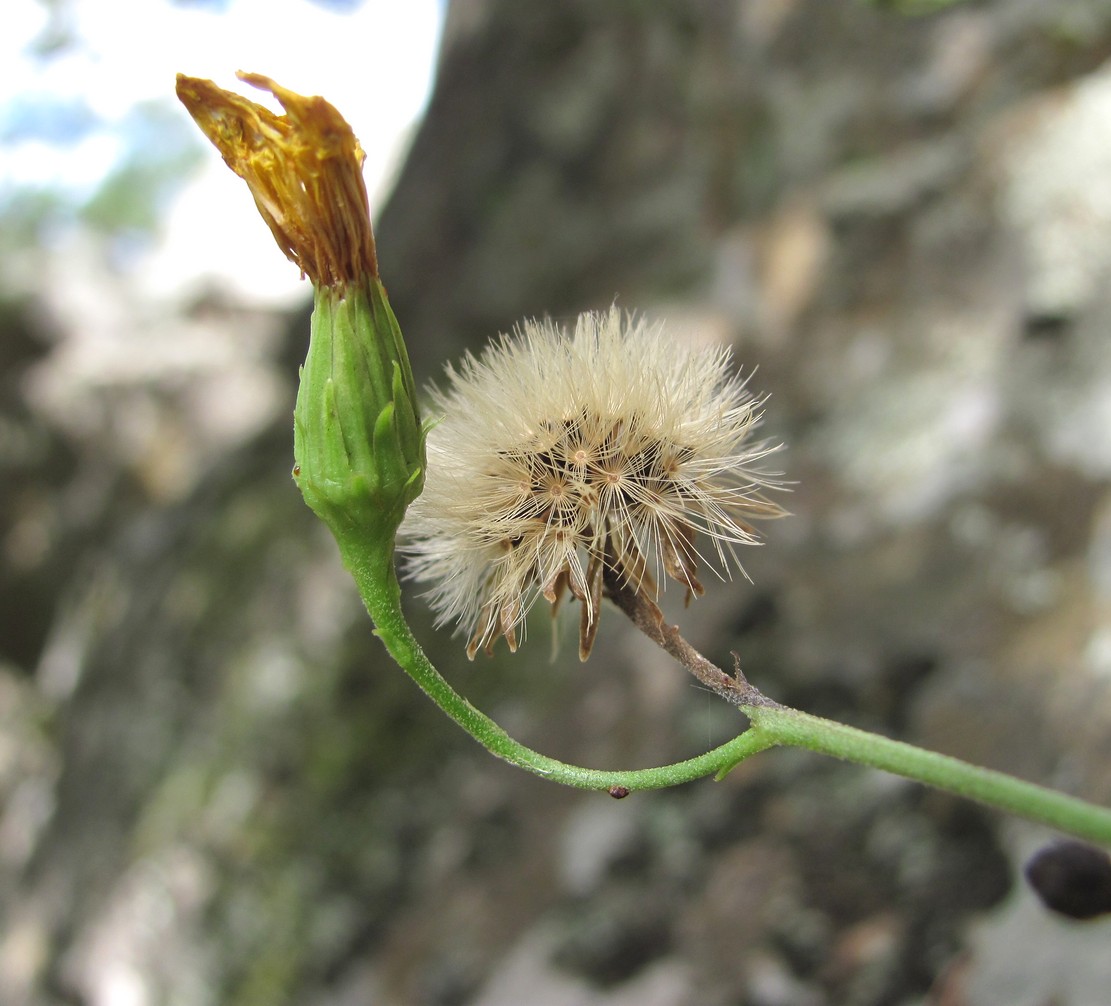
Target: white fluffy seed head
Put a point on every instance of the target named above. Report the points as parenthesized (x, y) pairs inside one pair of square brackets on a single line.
[(566, 457)]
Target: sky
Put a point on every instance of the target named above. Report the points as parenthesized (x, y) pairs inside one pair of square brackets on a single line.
[(373, 60)]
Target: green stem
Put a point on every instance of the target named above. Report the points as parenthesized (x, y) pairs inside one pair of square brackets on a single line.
[(373, 572), (772, 726), (792, 728)]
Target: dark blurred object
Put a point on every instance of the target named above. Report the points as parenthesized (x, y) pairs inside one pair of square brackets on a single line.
[(1072, 879), (35, 463)]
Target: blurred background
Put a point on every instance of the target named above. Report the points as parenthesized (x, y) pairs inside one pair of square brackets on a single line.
[(216, 790)]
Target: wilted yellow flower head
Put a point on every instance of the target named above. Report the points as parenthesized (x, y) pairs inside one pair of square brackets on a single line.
[(569, 459), (304, 169)]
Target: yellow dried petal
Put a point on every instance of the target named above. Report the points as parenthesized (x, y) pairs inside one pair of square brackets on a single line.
[(303, 168)]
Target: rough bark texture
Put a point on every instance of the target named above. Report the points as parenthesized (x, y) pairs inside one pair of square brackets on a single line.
[(218, 790)]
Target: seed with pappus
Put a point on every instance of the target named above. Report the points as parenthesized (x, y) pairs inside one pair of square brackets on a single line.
[(567, 458)]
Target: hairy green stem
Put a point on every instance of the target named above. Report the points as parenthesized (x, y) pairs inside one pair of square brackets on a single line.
[(373, 572), (792, 728), (771, 726)]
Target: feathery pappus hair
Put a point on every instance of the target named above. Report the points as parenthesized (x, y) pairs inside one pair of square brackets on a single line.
[(566, 456)]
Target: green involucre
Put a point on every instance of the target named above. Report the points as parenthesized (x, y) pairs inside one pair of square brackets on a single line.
[(358, 442)]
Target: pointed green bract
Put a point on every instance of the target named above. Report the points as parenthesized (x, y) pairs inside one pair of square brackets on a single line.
[(358, 442)]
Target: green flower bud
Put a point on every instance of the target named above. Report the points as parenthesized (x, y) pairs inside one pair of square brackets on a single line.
[(358, 441)]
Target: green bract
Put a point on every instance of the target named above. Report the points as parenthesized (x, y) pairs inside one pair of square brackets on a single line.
[(358, 443)]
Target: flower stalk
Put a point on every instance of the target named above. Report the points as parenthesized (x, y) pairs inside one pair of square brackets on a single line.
[(359, 448)]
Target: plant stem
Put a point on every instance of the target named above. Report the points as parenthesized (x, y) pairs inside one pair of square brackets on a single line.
[(374, 575), (772, 725), (789, 727), (646, 616)]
